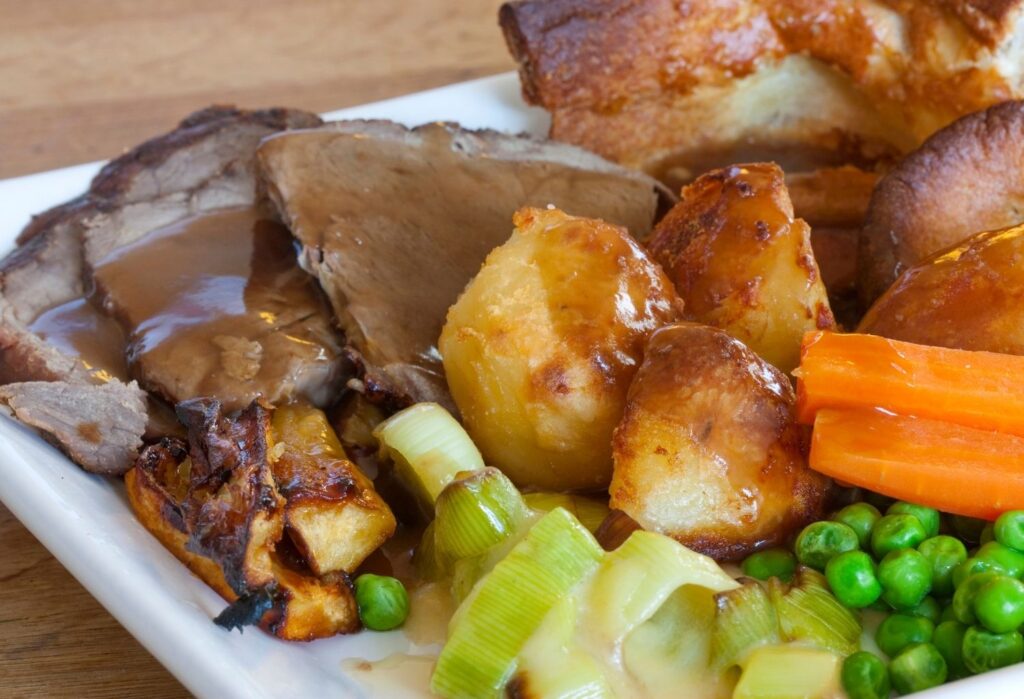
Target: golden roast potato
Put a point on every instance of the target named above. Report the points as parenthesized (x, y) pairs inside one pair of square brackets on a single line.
[(968, 297), (742, 263), (540, 348), (708, 451)]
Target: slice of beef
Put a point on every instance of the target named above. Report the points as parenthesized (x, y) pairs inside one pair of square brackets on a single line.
[(394, 222), (99, 426), (217, 305), (44, 281), (207, 288)]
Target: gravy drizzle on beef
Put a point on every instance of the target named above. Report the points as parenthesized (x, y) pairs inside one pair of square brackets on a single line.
[(216, 305)]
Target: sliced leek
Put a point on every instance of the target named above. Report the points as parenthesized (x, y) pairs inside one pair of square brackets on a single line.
[(789, 672), (636, 579), (745, 620), (672, 650), (809, 613), (429, 566), (476, 513), (492, 625), (591, 512), (553, 666), (428, 448)]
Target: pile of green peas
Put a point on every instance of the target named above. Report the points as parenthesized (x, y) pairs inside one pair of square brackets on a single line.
[(950, 613)]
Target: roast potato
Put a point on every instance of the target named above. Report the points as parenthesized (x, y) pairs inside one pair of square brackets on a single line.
[(540, 348), (964, 179), (742, 263), (968, 297), (708, 451)]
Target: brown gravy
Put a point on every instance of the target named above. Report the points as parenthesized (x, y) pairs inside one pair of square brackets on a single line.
[(79, 329), (217, 305)]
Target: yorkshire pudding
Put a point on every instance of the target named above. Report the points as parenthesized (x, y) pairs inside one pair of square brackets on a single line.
[(964, 179), (676, 88)]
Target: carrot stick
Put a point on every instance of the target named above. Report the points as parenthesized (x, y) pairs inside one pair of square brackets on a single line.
[(976, 389), (950, 467)]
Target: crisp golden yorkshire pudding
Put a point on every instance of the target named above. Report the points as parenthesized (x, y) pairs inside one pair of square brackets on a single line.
[(677, 88), (834, 202), (964, 179)]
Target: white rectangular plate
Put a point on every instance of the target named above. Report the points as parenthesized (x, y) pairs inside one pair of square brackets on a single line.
[(85, 521)]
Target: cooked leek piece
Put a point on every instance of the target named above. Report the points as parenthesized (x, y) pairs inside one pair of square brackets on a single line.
[(673, 649), (491, 626), (428, 448), (745, 620), (429, 566), (809, 613), (591, 512), (553, 666), (635, 579), (789, 672), (476, 513)]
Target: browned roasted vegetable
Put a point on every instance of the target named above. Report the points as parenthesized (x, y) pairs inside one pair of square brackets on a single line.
[(332, 512), (540, 348), (708, 451), (741, 262), (216, 507), (967, 297)]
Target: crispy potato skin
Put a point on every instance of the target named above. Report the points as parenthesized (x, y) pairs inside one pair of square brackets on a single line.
[(708, 452), (742, 263), (970, 297), (540, 348)]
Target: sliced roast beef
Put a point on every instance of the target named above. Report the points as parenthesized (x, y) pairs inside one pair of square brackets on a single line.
[(49, 329), (394, 222), (99, 426)]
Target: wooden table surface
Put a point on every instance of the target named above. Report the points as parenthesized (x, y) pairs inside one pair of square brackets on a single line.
[(82, 80)]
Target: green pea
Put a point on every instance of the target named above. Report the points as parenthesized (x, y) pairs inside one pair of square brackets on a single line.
[(984, 650), (963, 598), (382, 601), (967, 528), (949, 639), (851, 576), (973, 566), (820, 541), (1009, 529), (1009, 560), (948, 614), (917, 668), (944, 554), (999, 604), (897, 631), (928, 517), (988, 533), (906, 578), (929, 608), (896, 532), (770, 563), (864, 676), (861, 518)]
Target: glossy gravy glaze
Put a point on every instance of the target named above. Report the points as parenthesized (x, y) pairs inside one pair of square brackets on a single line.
[(79, 329), (216, 305)]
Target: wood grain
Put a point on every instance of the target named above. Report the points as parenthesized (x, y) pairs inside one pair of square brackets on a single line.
[(82, 80)]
